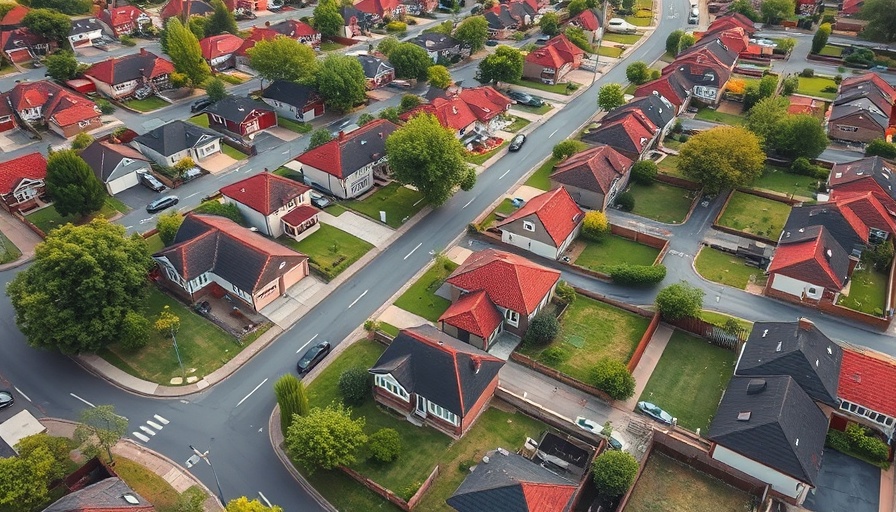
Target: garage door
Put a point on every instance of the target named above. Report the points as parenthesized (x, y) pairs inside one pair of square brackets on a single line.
[(122, 183)]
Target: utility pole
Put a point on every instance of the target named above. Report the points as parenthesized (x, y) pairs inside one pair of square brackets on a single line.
[(194, 459)]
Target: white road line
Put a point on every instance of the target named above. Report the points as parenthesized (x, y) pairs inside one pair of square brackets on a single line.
[(408, 255), (154, 425), (306, 343), (128, 227), (23, 394), (161, 419), (285, 152), (505, 174), (191, 195), (553, 132), (140, 436), (250, 393), (468, 203), (265, 500), (147, 430), (81, 399), (247, 171), (359, 298)]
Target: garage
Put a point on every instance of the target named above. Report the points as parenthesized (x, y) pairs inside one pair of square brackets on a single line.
[(117, 166)]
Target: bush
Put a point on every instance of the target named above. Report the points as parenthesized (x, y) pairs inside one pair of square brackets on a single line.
[(613, 378), (635, 275), (807, 73), (134, 331), (105, 107), (567, 148), (565, 292), (396, 26), (595, 226), (880, 147), (684, 138), (803, 167), (292, 398), (553, 356), (543, 329), (354, 385), (791, 84), (614, 471), (384, 445), (127, 40), (228, 210), (680, 300), (625, 201), (879, 256), (644, 172), (859, 440), (677, 127)]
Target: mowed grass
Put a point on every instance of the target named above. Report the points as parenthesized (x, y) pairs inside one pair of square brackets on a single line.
[(615, 250), (552, 88), (831, 51), (8, 250), (154, 243), (295, 126), (669, 166), (518, 124), (199, 120), (689, 379), (400, 204), (622, 38), (662, 202), (667, 485), (867, 292), (607, 331), (540, 179), (715, 116), (330, 250), (755, 215), (147, 104), (505, 208), (148, 484), (815, 86), (724, 268), (48, 218), (421, 298), (232, 152), (610, 51), (533, 110), (719, 319), (777, 179)]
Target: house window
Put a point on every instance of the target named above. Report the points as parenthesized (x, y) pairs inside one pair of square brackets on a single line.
[(442, 413), (877, 236), (83, 124), (529, 226), (512, 317), (845, 128), (389, 384), (267, 292)]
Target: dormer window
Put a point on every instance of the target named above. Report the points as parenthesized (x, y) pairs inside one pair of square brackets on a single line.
[(529, 226)]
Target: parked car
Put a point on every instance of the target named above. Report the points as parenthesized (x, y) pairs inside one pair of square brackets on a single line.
[(312, 357), (6, 399), (192, 174), (620, 26), (517, 142), (542, 40), (525, 99), (401, 84), (319, 200), (476, 9), (200, 105), (655, 412), (491, 42), (161, 203), (203, 308), (151, 182)]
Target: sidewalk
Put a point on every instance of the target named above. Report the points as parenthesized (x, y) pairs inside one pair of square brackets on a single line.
[(648, 362), (397, 317), (21, 236)]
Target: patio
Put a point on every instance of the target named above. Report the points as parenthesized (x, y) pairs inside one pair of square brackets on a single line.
[(232, 315)]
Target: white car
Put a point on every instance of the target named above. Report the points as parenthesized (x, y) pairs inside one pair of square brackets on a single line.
[(614, 440), (620, 26)]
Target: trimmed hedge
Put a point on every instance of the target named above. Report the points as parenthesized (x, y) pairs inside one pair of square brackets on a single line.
[(635, 275), (858, 441)]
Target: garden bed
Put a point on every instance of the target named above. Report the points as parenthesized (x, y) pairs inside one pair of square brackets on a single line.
[(421, 298), (726, 268), (614, 250), (479, 158), (755, 215), (400, 204), (662, 202), (329, 249)]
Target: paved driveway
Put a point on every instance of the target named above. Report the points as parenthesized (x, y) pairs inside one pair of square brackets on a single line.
[(845, 484)]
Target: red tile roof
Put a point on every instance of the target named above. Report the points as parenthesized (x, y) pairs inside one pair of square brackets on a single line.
[(301, 214), (852, 6), (874, 78), (662, 86), (15, 16), (149, 65), (378, 7), (60, 105), (546, 497), (733, 20), (587, 20), (511, 281), (474, 313), (628, 133), (557, 212), (865, 206), (867, 378), (265, 192), (33, 166), (485, 101), (451, 112), (555, 53), (803, 105), (329, 157), (806, 262), (734, 38), (219, 46), (124, 15), (294, 29), (594, 169)]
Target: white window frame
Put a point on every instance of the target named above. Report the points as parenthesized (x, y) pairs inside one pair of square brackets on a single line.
[(391, 386), (529, 226), (441, 413), (512, 317), (847, 128)]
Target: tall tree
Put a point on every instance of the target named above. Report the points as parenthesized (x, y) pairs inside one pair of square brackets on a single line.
[(185, 53), (773, 11), (327, 19), (410, 61), (672, 41), (505, 65), (637, 73), (820, 39), (283, 58), (197, 25), (744, 7), (292, 398), (576, 7), (765, 116), (24, 480), (58, 447), (610, 96), (679, 300), (168, 225), (72, 184), (799, 136), (49, 23), (62, 65), (242, 504), (685, 42), (221, 20), (70, 7), (100, 428), (82, 284), (439, 76), (722, 158), (550, 23), (428, 156), (325, 438), (341, 81), (473, 32), (614, 472), (881, 16), (387, 44), (216, 89), (319, 137)]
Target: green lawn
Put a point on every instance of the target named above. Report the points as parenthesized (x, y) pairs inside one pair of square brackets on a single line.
[(715, 116), (480, 158), (335, 209), (203, 345), (295, 126), (689, 380), (532, 84), (286, 172), (622, 38), (389, 329), (756, 215), (148, 484), (329, 46), (867, 292), (777, 179), (725, 268), (615, 250), (154, 243), (533, 110), (518, 124), (329, 249), (48, 218), (505, 208), (421, 298), (231, 79), (609, 51), (148, 104), (232, 152), (831, 51), (661, 202), (8, 250), (719, 319), (641, 18), (672, 142), (199, 120), (400, 204), (814, 87), (540, 179), (607, 331), (669, 165)]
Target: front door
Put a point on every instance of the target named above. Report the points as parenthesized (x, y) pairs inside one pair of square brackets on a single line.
[(421, 406)]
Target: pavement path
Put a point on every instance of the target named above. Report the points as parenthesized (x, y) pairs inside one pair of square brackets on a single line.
[(21, 236), (359, 226), (397, 317), (648, 362)]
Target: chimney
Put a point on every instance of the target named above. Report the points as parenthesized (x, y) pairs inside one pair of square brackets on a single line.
[(476, 363), (805, 324), (267, 23), (142, 50), (341, 135), (756, 386)]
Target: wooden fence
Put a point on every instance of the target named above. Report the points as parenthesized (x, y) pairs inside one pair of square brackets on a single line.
[(712, 333)]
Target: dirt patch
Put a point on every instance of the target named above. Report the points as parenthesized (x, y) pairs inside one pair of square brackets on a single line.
[(731, 107)]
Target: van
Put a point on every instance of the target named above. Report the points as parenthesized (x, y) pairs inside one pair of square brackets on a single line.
[(694, 16)]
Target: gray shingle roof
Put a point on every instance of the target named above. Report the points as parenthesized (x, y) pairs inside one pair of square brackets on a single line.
[(84, 25), (104, 157), (829, 216), (290, 93), (372, 65), (175, 136), (236, 108), (104, 495), (435, 42), (656, 107)]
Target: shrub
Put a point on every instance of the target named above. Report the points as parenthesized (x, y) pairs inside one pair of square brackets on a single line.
[(396, 26), (861, 441), (613, 378), (354, 385), (803, 167), (880, 147), (807, 73), (127, 40), (837, 440), (684, 138), (634, 275), (105, 106), (291, 397), (134, 331), (791, 84), (679, 300), (228, 210), (565, 292), (567, 148), (595, 226), (614, 471), (644, 172), (626, 201), (677, 127), (384, 445), (879, 256), (554, 355), (543, 329)]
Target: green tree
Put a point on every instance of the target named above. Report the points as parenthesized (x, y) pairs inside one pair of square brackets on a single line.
[(354, 385), (409, 102), (610, 96), (292, 398), (613, 378), (685, 42), (387, 44), (644, 172), (242, 504), (881, 16), (673, 40), (81, 141), (51, 24), (341, 81), (679, 300), (786, 44), (614, 471), (168, 225), (473, 32), (191, 500), (880, 147), (62, 65), (24, 480), (767, 86), (820, 39), (72, 184), (185, 53), (577, 37), (765, 116), (550, 23), (216, 89), (410, 61), (134, 332), (505, 65), (99, 429), (637, 73), (542, 330), (365, 118), (196, 25), (327, 19), (744, 7), (58, 447), (722, 158), (799, 136), (70, 7), (319, 137), (576, 7), (773, 11), (221, 21), (595, 226), (385, 445), (428, 156), (439, 76), (325, 438), (391, 114), (567, 148), (283, 58), (5, 7), (227, 210)]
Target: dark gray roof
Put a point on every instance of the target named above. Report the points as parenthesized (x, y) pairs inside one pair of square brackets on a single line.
[(865, 102), (781, 428), (656, 107), (502, 19), (103, 495), (874, 166), (498, 486), (290, 93), (428, 362), (435, 41), (84, 25), (103, 157), (372, 65), (716, 47), (829, 216), (798, 349), (175, 136), (237, 108)]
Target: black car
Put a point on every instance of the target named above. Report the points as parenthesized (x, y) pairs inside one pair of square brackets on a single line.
[(312, 357), (319, 201), (200, 105), (525, 99), (517, 143), (491, 42), (6, 399), (151, 182), (161, 204)]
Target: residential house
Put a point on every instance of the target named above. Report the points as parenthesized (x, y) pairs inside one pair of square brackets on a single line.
[(346, 166), (436, 379), (7, 117), (706, 69), (505, 18), (265, 200), (809, 266), (183, 9), (473, 318), (213, 254), (240, 115), (108, 495), (356, 22), (545, 225), (294, 101), (871, 174), (15, 18), (633, 135), (770, 429), (452, 113), (655, 106), (176, 140), (219, 51), (874, 216), (84, 32), (487, 104), (125, 19), (22, 181), (590, 22), (864, 109), (514, 482), (441, 48), (137, 74), (851, 7), (65, 113), (733, 20), (550, 63), (735, 39), (866, 378), (673, 86), (297, 30), (518, 287), (22, 46), (804, 105), (593, 177), (419, 7), (381, 9), (117, 166), (377, 71)]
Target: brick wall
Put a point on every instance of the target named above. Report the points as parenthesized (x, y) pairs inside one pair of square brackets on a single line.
[(528, 362), (645, 340)]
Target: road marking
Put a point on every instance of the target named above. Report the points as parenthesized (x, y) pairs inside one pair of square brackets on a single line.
[(247, 171), (140, 436), (81, 399), (265, 499), (553, 132), (161, 419), (359, 298), (250, 393), (147, 430), (306, 343), (468, 203), (154, 425), (144, 221), (285, 152), (408, 255), (505, 174), (23, 394), (191, 195), (128, 227)]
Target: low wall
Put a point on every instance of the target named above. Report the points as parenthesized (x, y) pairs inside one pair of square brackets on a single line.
[(557, 375), (390, 496), (677, 182), (645, 340), (877, 322), (548, 416), (30, 225), (770, 195), (825, 58), (637, 236), (415, 499)]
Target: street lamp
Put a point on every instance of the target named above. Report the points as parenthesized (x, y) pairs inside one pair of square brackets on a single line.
[(194, 459), (176, 351)]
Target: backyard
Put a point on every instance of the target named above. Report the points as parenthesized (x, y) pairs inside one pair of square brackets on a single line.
[(707, 114), (504, 208), (867, 292), (661, 202), (147, 105), (622, 38), (669, 165), (777, 179), (756, 215), (591, 330), (48, 218), (421, 298), (329, 249), (689, 380), (540, 179), (400, 204), (815, 86), (614, 250), (726, 268)]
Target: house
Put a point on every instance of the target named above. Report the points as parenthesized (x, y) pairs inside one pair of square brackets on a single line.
[(866, 378), (798, 349), (7, 117), (842, 224), (64, 112), (487, 104), (219, 51), (176, 140), (108, 495), (240, 115), (377, 71), (514, 482), (117, 166), (137, 74), (356, 22), (593, 177), (419, 7), (770, 429), (518, 287), (345, 166), (84, 32), (380, 9), (633, 135), (550, 63), (438, 380), (871, 174), (22, 181), (125, 19), (655, 106), (706, 70), (183, 9), (297, 30), (589, 21), (735, 39), (265, 200), (865, 206), (851, 7), (713, 46), (809, 266), (864, 109), (733, 20), (804, 105), (672, 86), (505, 18), (14, 18), (453, 113), (545, 225), (294, 101), (441, 48), (22, 46), (473, 318), (213, 253)]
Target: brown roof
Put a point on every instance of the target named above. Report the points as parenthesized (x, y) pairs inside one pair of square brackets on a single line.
[(594, 169)]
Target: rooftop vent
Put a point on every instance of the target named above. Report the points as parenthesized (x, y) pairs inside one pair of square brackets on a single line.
[(503, 452), (756, 386), (797, 442), (780, 345), (363, 142), (744, 416), (816, 363), (830, 352), (764, 333), (130, 498)]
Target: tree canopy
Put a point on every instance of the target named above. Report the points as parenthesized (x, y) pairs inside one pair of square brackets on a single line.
[(70, 7), (613, 377), (100, 428), (242, 504), (880, 147), (327, 19), (168, 225), (221, 20), (722, 158), (410, 61), (550, 23), (637, 73), (679, 300), (505, 65), (820, 39), (473, 31), (439, 76), (185, 53), (24, 480), (342, 83), (72, 184), (283, 58), (325, 438), (799, 136), (773, 11), (610, 96), (319, 137), (744, 7), (216, 89), (672, 41), (51, 24), (62, 65), (765, 116), (614, 472), (881, 16), (387, 44)]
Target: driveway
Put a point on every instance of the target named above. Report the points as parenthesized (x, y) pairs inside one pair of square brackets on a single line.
[(266, 141), (361, 227), (845, 484)]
